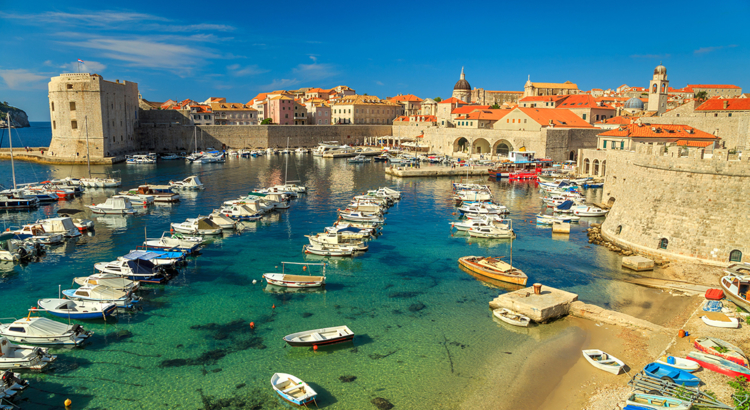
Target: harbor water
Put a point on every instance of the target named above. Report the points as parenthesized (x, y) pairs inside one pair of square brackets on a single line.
[(424, 332)]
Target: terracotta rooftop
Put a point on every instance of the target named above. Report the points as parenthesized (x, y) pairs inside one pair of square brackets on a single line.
[(718, 104), (231, 107), (452, 100), (729, 86), (566, 85), (407, 97), (676, 131), (490, 115), (618, 120), (469, 108), (543, 98), (582, 101), (559, 117)]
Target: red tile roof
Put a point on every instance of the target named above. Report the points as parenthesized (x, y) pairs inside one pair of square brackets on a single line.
[(618, 120), (711, 86), (407, 97), (559, 117), (733, 104), (543, 98), (490, 115), (452, 100), (582, 101), (469, 108), (699, 144), (676, 131)]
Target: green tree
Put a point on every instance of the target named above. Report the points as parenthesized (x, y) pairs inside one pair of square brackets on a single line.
[(437, 99), (267, 121), (495, 106), (701, 96)]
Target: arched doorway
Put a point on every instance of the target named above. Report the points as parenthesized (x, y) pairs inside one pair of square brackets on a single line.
[(503, 148), (611, 202), (604, 167), (596, 167), (586, 166), (572, 156), (481, 146), (461, 145)]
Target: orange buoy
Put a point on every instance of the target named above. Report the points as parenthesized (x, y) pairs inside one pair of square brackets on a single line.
[(68, 403), (252, 325), (315, 347), (274, 306)]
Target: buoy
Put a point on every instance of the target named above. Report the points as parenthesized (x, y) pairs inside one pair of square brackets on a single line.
[(68, 403), (274, 306), (315, 348), (304, 268), (254, 281), (252, 325)]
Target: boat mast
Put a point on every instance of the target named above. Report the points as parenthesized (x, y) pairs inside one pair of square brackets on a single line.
[(286, 169), (195, 136), (10, 141), (88, 156)]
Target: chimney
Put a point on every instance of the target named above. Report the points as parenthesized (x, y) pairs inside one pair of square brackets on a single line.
[(551, 124), (726, 104)]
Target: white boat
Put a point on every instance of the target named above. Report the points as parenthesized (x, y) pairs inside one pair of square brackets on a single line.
[(12, 384), (476, 223), (43, 331), (103, 294), (60, 225), (588, 211), (360, 216), (101, 182), (110, 280), (603, 361), (349, 231), (366, 206), (114, 206), (161, 193), (197, 226), (36, 232), (140, 160), (359, 159), (718, 319), (328, 250), (511, 317), (391, 192), (543, 219), (135, 198), (239, 212), (252, 203), (299, 189), (211, 158), (292, 389), (679, 363), (288, 280), (482, 209), (473, 196), (327, 238), (23, 357), (142, 271), (494, 231), (224, 222), (76, 309), (191, 183), (318, 337), (176, 242)]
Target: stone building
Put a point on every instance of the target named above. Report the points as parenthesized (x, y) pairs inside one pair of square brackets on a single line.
[(234, 114), (428, 107), (716, 90), (533, 89), (626, 137), (445, 108), (281, 109), (657, 90), (85, 104), (412, 104), (364, 109), (318, 112), (485, 97), (462, 89)]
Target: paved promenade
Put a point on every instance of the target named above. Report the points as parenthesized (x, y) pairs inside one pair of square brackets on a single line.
[(431, 171)]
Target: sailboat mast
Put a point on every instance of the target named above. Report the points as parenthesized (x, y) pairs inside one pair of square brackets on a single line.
[(195, 136), (286, 169), (88, 156), (511, 249), (10, 141)]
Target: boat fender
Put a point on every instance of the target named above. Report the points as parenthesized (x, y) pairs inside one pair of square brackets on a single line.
[(254, 281)]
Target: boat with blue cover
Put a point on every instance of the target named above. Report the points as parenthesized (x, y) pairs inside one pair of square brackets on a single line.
[(669, 373), (158, 258), (140, 270), (76, 309)]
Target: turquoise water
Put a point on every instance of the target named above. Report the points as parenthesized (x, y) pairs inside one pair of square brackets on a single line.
[(423, 326)]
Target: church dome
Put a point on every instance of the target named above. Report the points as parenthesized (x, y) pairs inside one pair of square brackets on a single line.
[(462, 84), (660, 69), (634, 103)]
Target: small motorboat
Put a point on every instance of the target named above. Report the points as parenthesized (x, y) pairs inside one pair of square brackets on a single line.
[(671, 374), (109, 280), (197, 226), (589, 211), (543, 219), (161, 193), (76, 309), (174, 242), (12, 384), (23, 357), (603, 361), (736, 283), (239, 212), (292, 389), (113, 206), (62, 225), (494, 268), (337, 239), (103, 294), (651, 401), (328, 250), (224, 222), (359, 159), (482, 209), (679, 363), (191, 183), (512, 318), (287, 280), (360, 216), (494, 231), (140, 270), (135, 198), (42, 331), (81, 224), (157, 257), (36, 232), (350, 232), (718, 319), (718, 365), (474, 196), (714, 346), (318, 337)]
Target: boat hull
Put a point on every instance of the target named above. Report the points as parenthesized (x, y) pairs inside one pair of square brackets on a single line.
[(84, 316), (343, 339), (294, 283), (476, 268)]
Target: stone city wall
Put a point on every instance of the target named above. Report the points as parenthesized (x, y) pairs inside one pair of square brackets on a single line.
[(165, 137), (700, 206)]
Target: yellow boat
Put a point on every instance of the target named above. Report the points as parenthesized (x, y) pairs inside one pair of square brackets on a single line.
[(493, 268)]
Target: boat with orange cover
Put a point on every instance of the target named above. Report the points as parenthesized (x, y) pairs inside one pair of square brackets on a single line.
[(493, 267)]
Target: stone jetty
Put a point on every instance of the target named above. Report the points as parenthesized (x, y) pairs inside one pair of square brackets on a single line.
[(436, 171)]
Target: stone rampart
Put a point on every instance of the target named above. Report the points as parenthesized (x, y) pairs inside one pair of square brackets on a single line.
[(670, 207)]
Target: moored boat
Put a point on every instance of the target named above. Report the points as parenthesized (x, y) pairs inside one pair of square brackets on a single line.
[(603, 361), (671, 374), (110, 280), (651, 401), (319, 337), (102, 294), (679, 363), (114, 205), (292, 389), (76, 309), (23, 357), (719, 365), (42, 331), (511, 317), (718, 347), (297, 281), (493, 268)]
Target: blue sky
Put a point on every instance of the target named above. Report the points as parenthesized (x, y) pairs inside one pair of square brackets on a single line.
[(235, 49)]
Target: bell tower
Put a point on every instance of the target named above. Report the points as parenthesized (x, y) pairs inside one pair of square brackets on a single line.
[(658, 90)]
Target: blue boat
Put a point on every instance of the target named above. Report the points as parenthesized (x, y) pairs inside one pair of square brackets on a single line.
[(77, 309), (669, 373), (593, 185)]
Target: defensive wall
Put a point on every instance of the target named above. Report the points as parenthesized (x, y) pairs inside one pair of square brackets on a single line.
[(666, 205), (559, 144)]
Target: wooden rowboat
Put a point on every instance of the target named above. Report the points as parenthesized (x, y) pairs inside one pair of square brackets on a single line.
[(493, 268), (679, 363), (603, 361), (712, 345), (718, 319), (292, 389), (651, 401), (719, 365), (318, 337), (294, 281), (510, 317)]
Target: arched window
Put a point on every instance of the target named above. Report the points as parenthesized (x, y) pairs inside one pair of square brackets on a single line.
[(663, 242), (619, 229), (735, 256), (654, 89), (663, 88)]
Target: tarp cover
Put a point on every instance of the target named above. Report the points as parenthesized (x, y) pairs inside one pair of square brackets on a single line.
[(142, 255), (139, 266), (565, 205), (68, 211), (349, 229)]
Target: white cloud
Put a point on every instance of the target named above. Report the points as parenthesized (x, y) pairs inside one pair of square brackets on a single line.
[(19, 79), (86, 67), (279, 84), (105, 19), (238, 70), (314, 71), (313, 58), (379, 83), (704, 50)]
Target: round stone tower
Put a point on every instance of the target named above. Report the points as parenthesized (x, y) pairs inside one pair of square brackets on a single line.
[(462, 89)]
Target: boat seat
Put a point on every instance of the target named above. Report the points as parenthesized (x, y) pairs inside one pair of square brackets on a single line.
[(293, 388), (317, 336)]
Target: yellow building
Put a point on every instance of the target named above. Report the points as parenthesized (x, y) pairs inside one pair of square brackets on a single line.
[(364, 109)]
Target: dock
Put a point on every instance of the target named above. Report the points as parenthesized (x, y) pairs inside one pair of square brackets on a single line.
[(436, 171), (368, 153), (550, 304)]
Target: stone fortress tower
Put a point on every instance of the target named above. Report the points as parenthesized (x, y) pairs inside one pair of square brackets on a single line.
[(462, 89), (86, 103), (658, 90)]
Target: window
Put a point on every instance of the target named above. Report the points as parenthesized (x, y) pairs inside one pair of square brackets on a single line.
[(619, 229), (70, 86), (729, 115), (54, 126), (605, 144), (72, 106), (524, 120), (584, 116), (622, 144), (735, 256), (17, 329), (286, 115), (53, 106), (716, 115), (74, 124), (663, 243)]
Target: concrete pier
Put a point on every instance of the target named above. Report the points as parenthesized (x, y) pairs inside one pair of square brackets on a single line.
[(550, 304), (436, 171)]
